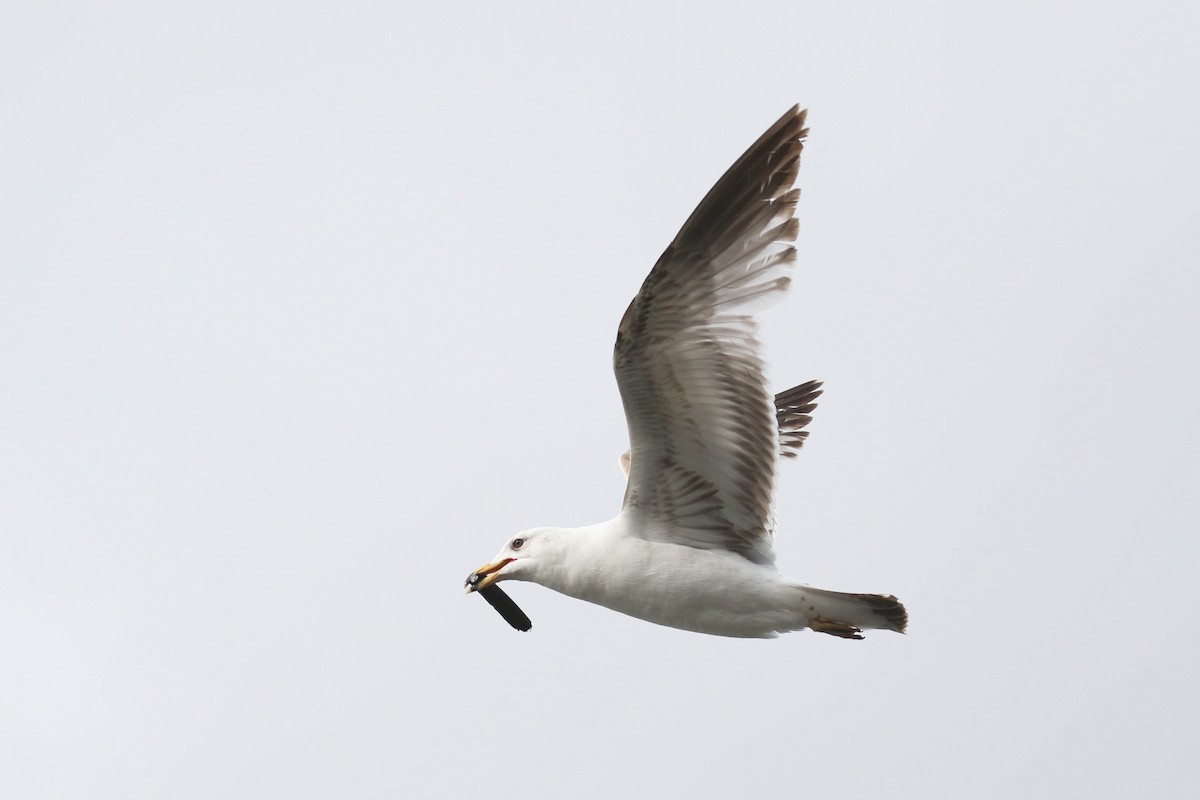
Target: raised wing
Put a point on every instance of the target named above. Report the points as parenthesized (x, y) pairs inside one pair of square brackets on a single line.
[(792, 415), (792, 409), (702, 427)]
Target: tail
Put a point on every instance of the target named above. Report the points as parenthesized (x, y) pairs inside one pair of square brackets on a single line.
[(848, 615)]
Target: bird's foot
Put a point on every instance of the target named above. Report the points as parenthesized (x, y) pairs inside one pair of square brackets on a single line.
[(836, 629)]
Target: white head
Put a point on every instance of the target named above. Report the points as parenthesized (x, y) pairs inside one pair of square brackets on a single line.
[(527, 556)]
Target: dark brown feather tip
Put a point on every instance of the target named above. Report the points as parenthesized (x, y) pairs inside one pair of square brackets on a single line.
[(888, 607), (792, 409)]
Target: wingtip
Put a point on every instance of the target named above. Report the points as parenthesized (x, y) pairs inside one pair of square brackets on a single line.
[(767, 170)]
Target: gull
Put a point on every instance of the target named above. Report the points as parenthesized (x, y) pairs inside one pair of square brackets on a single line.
[(692, 547)]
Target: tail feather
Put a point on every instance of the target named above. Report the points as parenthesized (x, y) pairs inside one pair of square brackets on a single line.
[(846, 614)]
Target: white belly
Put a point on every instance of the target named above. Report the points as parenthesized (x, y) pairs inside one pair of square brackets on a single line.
[(707, 591)]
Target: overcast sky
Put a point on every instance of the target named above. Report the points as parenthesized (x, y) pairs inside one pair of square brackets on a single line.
[(304, 311)]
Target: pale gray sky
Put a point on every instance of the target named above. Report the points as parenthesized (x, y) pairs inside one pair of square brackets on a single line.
[(303, 311)]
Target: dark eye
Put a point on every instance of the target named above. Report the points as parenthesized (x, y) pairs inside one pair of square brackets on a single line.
[(516, 543)]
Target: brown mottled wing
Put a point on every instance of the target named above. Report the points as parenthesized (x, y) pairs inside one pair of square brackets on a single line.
[(792, 414), (702, 425), (792, 409)]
